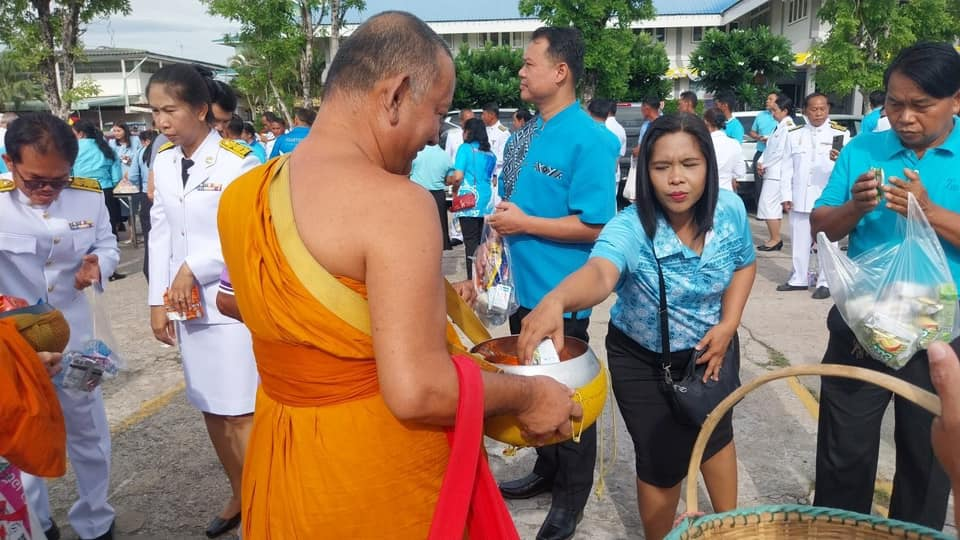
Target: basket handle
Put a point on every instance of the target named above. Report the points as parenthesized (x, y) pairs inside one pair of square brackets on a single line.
[(918, 396)]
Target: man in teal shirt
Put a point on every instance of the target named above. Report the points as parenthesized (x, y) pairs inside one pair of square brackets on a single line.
[(872, 118), (429, 169), (727, 102), (763, 126), (302, 120), (919, 155)]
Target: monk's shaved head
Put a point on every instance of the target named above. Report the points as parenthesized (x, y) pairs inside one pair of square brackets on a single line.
[(388, 44)]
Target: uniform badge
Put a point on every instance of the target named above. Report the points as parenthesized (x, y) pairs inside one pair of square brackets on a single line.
[(82, 224), (208, 161), (209, 186)]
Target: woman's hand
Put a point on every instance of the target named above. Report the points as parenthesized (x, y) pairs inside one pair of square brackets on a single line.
[(162, 327), (544, 322), (714, 346), (181, 291)]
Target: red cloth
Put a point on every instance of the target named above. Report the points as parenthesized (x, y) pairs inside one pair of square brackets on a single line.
[(470, 499)]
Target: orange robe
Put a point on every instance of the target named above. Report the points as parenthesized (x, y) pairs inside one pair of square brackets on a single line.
[(326, 458), (32, 433)]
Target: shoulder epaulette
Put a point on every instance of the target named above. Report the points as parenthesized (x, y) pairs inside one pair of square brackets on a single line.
[(503, 128), (837, 126), (165, 146), (235, 148), (7, 185), (86, 184), (794, 128)]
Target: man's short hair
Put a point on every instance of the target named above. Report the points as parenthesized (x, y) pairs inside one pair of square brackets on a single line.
[(934, 67), (812, 95), (235, 127), (690, 97), (565, 44), (270, 117), (305, 115), (45, 133), (248, 128), (877, 98), (728, 99), (613, 108), (599, 107), (386, 45), (492, 108), (652, 101)]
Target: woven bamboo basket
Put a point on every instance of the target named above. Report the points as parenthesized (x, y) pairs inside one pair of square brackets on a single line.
[(797, 521)]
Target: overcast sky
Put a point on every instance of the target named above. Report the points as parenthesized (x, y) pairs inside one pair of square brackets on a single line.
[(173, 27)]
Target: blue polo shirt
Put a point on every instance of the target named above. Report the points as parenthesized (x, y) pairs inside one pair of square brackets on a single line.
[(695, 283), (869, 123), (939, 171), (734, 130), (764, 124), (430, 168), (477, 167), (555, 169), (288, 141)]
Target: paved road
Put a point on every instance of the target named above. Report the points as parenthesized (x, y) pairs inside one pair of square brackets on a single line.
[(167, 483)]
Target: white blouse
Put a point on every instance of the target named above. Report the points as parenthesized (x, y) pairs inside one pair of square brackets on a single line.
[(729, 159)]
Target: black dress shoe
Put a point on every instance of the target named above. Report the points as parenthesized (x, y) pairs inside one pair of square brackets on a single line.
[(107, 535), (560, 524), (788, 287), (523, 488), (820, 293), (116, 276), (776, 247), (53, 533), (219, 525)]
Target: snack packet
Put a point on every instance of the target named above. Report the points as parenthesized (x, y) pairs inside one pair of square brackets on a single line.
[(194, 310)]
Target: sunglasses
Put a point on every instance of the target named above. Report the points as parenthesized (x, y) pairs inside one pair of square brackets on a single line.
[(56, 184)]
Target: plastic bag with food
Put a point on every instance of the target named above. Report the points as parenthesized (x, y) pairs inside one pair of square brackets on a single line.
[(85, 367), (897, 298), (493, 278)]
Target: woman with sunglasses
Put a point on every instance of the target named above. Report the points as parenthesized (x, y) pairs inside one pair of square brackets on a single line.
[(190, 172)]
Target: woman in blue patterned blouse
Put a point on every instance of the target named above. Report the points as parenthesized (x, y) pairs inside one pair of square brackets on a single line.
[(472, 173), (701, 237)]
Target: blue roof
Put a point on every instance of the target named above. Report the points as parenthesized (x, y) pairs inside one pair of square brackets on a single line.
[(433, 11)]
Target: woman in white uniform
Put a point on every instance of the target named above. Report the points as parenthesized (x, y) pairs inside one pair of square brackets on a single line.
[(190, 173), (774, 158)]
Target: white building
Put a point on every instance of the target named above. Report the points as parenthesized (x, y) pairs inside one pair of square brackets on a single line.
[(679, 25)]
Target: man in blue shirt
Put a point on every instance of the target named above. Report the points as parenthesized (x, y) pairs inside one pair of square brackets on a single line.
[(429, 169), (872, 118), (302, 120), (249, 136), (763, 126), (727, 102), (557, 196), (920, 155)]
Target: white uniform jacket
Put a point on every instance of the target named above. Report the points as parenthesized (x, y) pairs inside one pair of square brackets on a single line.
[(184, 217), (778, 150), (41, 249), (498, 135), (806, 172)]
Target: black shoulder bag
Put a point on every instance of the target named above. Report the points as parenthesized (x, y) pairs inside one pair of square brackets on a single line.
[(690, 398)]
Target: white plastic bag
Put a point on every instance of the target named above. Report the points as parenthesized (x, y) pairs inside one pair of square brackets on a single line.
[(630, 187), (98, 358), (897, 298), (493, 278)]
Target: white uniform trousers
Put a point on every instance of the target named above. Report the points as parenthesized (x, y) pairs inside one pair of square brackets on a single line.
[(802, 241), (88, 447), (769, 206)]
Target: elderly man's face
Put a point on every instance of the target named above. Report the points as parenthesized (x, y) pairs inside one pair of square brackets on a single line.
[(419, 118)]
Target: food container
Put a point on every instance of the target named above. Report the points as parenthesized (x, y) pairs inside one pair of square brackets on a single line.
[(579, 368)]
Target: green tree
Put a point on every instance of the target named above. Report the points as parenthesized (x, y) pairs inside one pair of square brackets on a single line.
[(650, 62), (746, 62), (44, 36), (487, 75), (867, 34), (605, 25), (17, 86), (277, 36)]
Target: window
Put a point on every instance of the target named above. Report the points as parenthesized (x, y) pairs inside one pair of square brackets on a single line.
[(464, 38), (659, 34), (505, 38), (797, 10), (697, 34)]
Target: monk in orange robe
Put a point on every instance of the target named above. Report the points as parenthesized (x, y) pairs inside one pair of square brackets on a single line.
[(34, 437), (335, 272)]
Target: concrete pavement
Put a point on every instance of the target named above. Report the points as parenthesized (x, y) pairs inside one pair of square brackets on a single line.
[(167, 482)]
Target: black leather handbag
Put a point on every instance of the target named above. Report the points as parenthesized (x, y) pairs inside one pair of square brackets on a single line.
[(690, 398)]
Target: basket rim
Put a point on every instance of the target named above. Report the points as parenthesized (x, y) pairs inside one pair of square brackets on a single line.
[(814, 513)]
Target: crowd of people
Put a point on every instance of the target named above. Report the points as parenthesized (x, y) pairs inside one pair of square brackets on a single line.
[(320, 355)]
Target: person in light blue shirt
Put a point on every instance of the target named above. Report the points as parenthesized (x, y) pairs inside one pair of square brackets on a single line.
[(872, 118), (429, 169), (919, 155), (249, 136), (727, 102), (3, 166), (473, 172), (700, 236), (302, 120), (125, 146), (98, 161)]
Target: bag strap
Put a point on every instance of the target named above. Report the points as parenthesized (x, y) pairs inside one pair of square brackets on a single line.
[(664, 321)]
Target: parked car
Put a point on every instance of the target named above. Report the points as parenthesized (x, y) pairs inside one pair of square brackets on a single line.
[(748, 188), (452, 121)]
